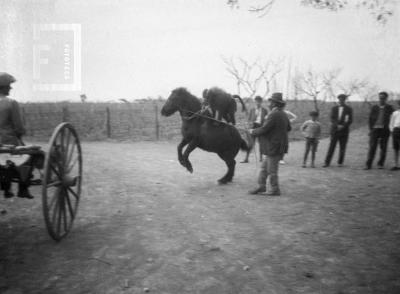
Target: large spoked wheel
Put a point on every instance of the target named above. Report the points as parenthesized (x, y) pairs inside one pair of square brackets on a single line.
[(62, 180)]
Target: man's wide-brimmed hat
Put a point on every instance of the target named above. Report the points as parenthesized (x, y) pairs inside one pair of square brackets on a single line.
[(6, 79), (278, 98), (342, 96), (258, 98)]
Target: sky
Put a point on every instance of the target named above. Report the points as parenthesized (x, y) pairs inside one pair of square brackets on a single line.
[(146, 48)]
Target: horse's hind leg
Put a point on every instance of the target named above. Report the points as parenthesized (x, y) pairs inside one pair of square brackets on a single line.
[(186, 162), (229, 159)]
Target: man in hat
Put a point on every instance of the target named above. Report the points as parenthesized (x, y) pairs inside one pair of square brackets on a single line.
[(274, 143), (11, 131), (11, 127), (379, 119), (341, 119), (256, 120)]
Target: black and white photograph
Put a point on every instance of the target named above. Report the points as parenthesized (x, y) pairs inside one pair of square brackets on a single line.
[(199, 146)]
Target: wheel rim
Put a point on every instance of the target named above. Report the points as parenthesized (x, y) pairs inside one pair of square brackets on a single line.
[(62, 180)]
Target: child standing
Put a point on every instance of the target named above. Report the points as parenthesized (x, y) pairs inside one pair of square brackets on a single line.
[(311, 130)]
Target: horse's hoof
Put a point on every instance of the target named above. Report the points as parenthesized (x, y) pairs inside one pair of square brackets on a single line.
[(222, 181)]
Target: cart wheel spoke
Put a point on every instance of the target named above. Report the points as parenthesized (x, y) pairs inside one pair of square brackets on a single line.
[(70, 167), (52, 202), (73, 192), (54, 169), (54, 184), (70, 153), (70, 208)]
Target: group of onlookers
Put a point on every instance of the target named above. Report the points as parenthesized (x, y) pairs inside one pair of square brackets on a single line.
[(271, 128)]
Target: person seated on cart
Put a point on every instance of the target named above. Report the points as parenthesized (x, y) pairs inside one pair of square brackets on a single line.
[(11, 132)]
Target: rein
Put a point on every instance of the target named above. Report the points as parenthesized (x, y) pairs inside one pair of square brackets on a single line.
[(206, 117)]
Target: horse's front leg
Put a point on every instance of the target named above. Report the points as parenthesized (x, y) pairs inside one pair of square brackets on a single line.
[(182, 144), (192, 145)]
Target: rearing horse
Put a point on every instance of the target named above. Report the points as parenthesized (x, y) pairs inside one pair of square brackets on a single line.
[(201, 132)]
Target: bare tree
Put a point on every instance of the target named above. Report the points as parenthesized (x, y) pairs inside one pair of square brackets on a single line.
[(369, 93), (381, 10), (254, 77), (354, 86), (331, 82), (315, 85)]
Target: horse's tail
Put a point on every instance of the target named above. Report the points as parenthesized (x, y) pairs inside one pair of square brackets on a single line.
[(244, 146), (241, 101)]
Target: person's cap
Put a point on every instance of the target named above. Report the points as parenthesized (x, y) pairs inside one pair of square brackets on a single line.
[(277, 97), (258, 98), (6, 79), (314, 113), (342, 96)]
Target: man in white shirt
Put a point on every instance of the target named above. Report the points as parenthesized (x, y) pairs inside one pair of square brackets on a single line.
[(394, 127)]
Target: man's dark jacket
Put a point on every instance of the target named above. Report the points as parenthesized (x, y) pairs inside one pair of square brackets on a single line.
[(374, 114), (346, 119), (273, 134)]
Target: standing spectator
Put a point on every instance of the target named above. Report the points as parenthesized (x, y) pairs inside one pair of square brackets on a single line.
[(256, 119), (341, 119), (311, 130), (273, 137), (379, 119), (394, 127)]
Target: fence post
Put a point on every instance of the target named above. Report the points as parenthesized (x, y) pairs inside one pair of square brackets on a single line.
[(65, 114), (157, 121), (108, 122)]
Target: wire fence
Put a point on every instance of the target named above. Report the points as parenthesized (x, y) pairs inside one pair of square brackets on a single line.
[(142, 120)]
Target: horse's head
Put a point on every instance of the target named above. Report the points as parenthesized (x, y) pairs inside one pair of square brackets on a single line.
[(180, 100)]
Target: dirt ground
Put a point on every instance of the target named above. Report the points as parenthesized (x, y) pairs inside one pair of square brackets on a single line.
[(146, 225)]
